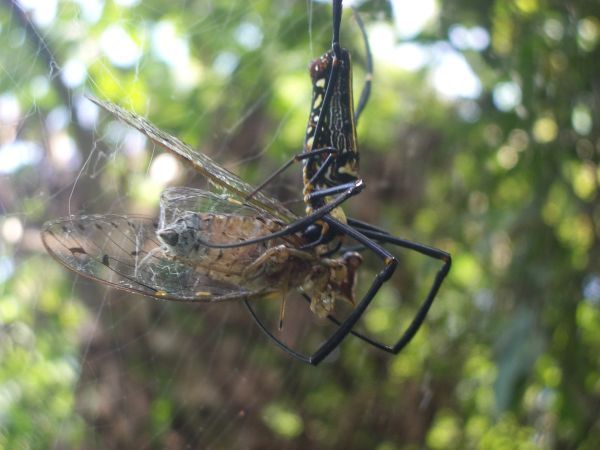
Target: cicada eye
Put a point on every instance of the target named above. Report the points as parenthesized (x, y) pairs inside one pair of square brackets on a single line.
[(169, 237)]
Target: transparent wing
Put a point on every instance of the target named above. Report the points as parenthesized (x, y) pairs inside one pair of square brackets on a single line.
[(177, 201), (202, 163), (124, 252)]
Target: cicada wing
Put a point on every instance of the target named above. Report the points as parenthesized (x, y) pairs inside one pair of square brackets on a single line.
[(202, 163), (124, 252), (175, 202)]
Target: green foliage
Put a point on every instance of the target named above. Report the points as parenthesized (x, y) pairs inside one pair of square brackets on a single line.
[(38, 349)]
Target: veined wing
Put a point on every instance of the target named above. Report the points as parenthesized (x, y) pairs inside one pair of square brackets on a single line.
[(202, 163), (125, 253), (179, 200)]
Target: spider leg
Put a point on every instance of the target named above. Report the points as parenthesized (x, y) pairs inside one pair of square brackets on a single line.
[(348, 190), (383, 237), (363, 226), (324, 193), (296, 158), (322, 169), (370, 239), (327, 192), (345, 327)]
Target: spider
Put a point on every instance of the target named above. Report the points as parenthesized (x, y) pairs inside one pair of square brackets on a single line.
[(330, 173)]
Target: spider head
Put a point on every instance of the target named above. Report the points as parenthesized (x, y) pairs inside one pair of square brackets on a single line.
[(334, 279)]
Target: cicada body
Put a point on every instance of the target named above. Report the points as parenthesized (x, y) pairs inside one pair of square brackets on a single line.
[(169, 258)]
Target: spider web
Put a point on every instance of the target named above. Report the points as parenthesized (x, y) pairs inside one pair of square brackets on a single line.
[(93, 367)]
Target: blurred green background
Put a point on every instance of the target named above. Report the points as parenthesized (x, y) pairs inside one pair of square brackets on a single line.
[(481, 138)]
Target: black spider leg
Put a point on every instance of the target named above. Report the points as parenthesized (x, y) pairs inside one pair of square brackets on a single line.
[(360, 225), (345, 327), (345, 192), (324, 193), (296, 158), (381, 236), (364, 225), (363, 100)]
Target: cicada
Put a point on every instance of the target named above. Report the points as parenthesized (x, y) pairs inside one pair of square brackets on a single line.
[(167, 258)]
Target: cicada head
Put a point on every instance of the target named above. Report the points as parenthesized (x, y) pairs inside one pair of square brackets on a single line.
[(180, 237)]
